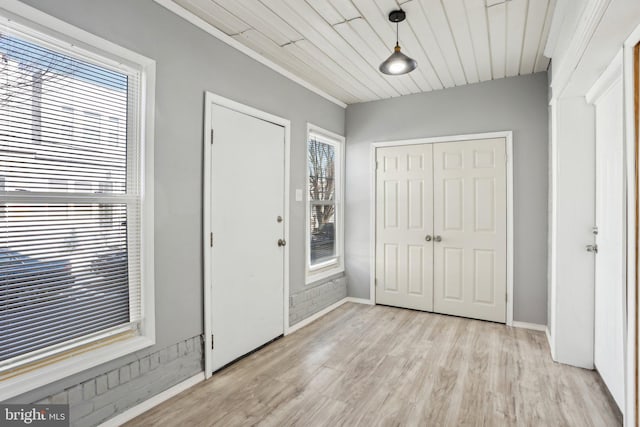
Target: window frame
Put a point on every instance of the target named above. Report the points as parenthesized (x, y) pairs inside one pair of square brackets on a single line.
[(314, 273), (52, 32)]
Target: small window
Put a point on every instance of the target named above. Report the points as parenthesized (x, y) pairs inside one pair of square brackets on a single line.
[(324, 204)]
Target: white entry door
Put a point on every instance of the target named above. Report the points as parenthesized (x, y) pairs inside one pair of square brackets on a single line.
[(470, 228), (404, 249), (247, 206), (610, 239)]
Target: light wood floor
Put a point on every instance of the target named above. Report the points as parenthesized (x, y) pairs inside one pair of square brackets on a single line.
[(376, 365)]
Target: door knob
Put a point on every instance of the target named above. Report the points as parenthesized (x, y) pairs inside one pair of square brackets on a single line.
[(282, 242), (427, 238), (438, 238), (592, 248)]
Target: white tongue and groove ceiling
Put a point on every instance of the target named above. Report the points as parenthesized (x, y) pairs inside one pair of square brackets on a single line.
[(337, 45)]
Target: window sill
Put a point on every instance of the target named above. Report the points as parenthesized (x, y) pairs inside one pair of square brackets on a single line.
[(324, 273), (332, 263), (42, 376)]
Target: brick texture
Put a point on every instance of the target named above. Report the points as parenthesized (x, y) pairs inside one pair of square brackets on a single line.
[(98, 399), (311, 300)]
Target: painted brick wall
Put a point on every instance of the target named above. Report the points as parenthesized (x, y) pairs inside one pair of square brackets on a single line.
[(310, 301), (94, 401), (98, 399)]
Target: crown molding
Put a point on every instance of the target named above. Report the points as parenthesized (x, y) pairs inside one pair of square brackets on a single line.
[(203, 25), (587, 25), (555, 29)]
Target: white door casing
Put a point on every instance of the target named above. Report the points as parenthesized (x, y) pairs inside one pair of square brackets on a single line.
[(247, 265), (610, 259), (470, 219), (404, 249)]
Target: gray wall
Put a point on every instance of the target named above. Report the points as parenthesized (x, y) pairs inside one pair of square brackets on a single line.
[(518, 104), (189, 62)]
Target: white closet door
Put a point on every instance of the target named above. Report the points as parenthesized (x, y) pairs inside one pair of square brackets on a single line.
[(247, 197), (470, 221), (404, 258)]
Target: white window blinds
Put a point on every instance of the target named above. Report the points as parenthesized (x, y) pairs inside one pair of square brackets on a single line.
[(69, 198)]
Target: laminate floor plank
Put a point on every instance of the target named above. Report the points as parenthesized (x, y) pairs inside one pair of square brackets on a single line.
[(384, 366)]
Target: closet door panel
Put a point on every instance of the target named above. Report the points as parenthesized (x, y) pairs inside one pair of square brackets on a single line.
[(470, 225), (404, 219)]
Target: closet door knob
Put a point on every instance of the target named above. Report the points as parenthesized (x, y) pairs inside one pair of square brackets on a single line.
[(427, 238), (438, 238)]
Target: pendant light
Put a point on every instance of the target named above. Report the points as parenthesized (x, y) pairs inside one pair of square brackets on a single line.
[(398, 62)]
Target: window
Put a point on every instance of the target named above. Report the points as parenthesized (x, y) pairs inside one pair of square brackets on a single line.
[(324, 207), (75, 259)]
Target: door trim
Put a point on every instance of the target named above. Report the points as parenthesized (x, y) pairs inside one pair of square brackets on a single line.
[(210, 99), (508, 136), (631, 82)]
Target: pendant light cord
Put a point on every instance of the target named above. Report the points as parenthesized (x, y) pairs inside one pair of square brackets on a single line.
[(397, 32)]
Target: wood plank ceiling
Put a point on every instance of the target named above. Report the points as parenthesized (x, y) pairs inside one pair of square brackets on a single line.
[(337, 45)]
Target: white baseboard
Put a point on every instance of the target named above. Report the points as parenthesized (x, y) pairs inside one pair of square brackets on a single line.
[(143, 407), (315, 316), (532, 326), (550, 341), (324, 311), (360, 300)]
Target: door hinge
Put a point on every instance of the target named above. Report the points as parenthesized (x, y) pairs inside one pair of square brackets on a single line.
[(375, 282), (212, 135), (211, 239), (212, 346), (377, 165)]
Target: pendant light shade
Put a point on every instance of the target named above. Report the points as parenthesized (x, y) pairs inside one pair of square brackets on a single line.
[(398, 63)]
